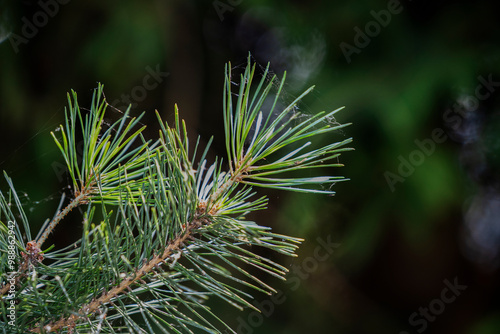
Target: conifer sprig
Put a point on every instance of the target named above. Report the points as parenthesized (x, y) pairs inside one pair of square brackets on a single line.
[(162, 232), (108, 161), (273, 133)]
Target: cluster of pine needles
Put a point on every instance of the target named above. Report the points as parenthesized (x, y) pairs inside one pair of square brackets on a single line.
[(163, 231)]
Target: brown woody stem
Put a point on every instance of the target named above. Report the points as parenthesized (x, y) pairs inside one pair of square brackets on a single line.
[(81, 198), (123, 287)]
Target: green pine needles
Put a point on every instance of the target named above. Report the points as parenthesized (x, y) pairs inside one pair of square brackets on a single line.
[(163, 231)]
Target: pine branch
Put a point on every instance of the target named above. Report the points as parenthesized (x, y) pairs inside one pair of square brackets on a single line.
[(88, 309), (170, 235), (78, 200)]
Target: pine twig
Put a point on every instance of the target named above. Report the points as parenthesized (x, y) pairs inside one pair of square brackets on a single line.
[(93, 306), (156, 206), (78, 200)]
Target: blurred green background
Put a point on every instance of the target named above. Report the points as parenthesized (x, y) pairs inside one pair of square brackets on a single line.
[(412, 220)]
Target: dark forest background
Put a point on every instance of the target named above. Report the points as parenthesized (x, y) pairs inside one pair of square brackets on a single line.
[(420, 81)]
